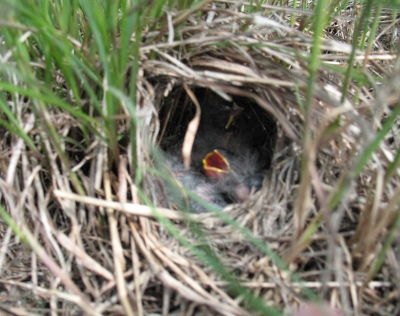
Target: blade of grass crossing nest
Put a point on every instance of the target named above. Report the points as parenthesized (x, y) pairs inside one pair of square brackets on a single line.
[(191, 130)]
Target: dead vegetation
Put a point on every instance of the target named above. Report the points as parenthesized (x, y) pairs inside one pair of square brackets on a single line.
[(331, 216)]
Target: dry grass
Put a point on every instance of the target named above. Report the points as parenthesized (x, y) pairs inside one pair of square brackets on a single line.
[(105, 252)]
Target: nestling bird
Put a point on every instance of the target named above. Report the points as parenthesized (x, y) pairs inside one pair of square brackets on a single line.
[(197, 182)]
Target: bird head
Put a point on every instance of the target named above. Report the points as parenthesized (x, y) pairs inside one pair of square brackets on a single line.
[(235, 176)]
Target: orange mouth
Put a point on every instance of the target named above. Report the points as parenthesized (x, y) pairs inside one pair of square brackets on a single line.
[(215, 165)]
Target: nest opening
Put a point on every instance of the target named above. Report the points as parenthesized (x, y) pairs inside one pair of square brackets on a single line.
[(234, 127)]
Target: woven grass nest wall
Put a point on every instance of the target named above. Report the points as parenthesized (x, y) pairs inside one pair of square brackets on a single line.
[(123, 257)]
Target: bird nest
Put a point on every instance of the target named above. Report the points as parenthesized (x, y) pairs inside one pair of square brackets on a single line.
[(231, 258)]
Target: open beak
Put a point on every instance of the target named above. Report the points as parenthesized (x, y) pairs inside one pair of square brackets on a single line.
[(215, 165)]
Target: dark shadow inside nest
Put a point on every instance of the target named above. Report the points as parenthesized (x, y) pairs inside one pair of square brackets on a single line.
[(232, 150)]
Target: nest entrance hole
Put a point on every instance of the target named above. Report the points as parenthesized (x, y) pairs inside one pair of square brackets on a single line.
[(238, 126), (234, 133)]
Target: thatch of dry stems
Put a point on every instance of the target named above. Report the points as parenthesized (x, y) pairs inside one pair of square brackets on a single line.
[(106, 254)]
